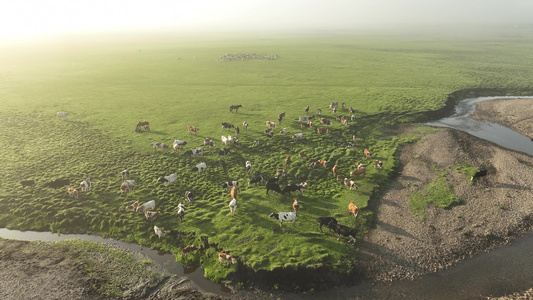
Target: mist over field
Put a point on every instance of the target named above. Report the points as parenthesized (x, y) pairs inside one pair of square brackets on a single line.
[(23, 20)]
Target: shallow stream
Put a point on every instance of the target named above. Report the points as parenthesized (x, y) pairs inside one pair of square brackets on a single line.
[(501, 271)]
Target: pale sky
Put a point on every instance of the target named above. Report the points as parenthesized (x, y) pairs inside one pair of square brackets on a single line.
[(33, 18)]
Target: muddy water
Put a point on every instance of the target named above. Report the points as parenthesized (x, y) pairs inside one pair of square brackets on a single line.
[(489, 131), (499, 272)]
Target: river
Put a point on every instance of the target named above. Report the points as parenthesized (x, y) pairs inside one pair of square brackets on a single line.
[(501, 271)]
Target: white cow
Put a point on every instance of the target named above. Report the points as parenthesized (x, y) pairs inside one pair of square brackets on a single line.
[(62, 114), (233, 206), (158, 231), (298, 136), (146, 206), (86, 185)]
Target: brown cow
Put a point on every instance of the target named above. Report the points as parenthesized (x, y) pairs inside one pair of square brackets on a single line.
[(72, 192), (288, 161), (322, 162), (233, 193), (367, 153), (226, 257), (353, 209), (322, 130), (335, 169), (295, 205), (359, 172), (270, 124), (187, 250), (192, 129)]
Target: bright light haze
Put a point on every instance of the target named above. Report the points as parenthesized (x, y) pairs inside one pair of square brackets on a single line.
[(35, 18)]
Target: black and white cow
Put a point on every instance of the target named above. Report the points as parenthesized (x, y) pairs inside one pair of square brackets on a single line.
[(168, 179), (199, 168), (479, 174), (255, 180), (284, 216), (208, 142), (223, 152), (229, 184), (125, 174), (291, 188), (321, 221), (195, 152), (339, 229)]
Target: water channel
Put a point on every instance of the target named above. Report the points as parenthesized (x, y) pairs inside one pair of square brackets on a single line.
[(499, 272)]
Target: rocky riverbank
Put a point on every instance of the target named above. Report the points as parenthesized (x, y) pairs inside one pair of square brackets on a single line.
[(492, 212)]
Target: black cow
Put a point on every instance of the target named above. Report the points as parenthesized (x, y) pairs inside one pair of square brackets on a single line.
[(479, 174), (325, 221), (273, 180), (58, 183), (237, 130), (344, 231), (226, 125), (291, 188), (272, 186), (28, 182), (256, 180)]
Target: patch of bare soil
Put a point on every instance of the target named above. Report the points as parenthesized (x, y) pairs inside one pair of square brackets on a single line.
[(39, 270), (493, 211)]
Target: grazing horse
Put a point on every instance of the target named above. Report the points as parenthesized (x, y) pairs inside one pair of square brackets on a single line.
[(235, 107), (144, 124)]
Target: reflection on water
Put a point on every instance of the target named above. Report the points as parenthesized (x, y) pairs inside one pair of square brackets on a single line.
[(493, 132)]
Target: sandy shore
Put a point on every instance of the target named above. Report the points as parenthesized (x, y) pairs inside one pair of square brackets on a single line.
[(400, 247), (403, 247)]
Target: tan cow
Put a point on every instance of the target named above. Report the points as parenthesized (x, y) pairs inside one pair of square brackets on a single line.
[(320, 130)]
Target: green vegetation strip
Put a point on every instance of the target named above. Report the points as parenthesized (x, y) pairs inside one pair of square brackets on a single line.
[(437, 192)]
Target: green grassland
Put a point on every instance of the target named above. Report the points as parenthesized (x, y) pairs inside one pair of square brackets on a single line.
[(172, 81)]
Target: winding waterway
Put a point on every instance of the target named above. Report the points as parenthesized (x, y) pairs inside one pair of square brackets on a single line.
[(501, 271)]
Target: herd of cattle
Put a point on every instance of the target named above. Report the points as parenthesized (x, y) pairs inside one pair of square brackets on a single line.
[(148, 208)]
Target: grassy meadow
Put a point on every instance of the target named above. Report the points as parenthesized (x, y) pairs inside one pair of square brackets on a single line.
[(108, 85)]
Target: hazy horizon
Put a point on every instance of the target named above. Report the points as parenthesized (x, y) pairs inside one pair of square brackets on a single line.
[(29, 19)]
